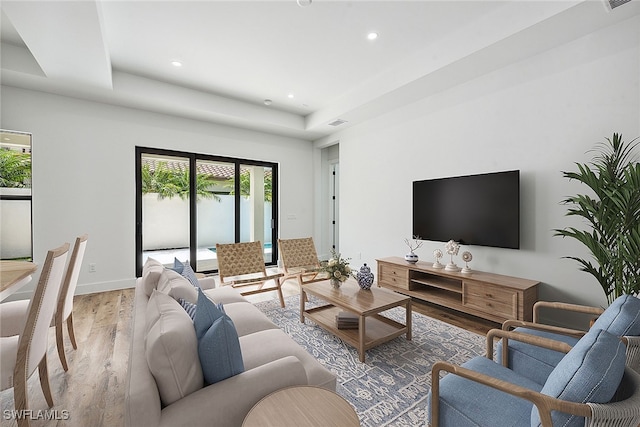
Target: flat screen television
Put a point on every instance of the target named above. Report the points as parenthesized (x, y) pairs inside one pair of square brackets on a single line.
[(482, 210)]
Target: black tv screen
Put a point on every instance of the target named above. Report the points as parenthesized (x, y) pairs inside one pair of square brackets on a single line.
[(481, 210)]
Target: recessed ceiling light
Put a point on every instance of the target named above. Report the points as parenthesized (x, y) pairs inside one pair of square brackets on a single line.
[(372, 36), (290, 96), (176, 63), (268, 102), (303, 3)]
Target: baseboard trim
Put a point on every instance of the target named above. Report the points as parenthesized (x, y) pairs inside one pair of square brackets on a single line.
[(82, 289)]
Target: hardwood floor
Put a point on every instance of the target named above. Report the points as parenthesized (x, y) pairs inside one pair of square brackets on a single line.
[(91, 393)]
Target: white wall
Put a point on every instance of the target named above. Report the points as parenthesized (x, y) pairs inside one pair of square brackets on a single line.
[(84, 174), (539, 116)]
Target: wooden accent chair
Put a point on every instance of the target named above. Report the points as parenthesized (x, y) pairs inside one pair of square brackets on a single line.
[(242, 265), (26, 349), (300, 260), (470, 390), (64, 310), (621, 318)]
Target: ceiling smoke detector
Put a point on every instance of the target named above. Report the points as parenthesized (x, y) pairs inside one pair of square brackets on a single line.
[(337, 122)]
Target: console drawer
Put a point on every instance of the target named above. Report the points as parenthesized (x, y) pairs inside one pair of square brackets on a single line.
[(493, 300), (393, 275)]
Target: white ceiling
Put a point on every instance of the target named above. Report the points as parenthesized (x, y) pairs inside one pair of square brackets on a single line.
[(236, 54)]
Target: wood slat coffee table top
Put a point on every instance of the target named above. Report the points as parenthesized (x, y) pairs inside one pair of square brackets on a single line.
[(302, 406), (360, 302)]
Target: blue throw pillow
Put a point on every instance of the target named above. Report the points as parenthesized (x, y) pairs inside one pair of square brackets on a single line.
[(590, 372), (188, 273), (218, 343), (184, 269), (178, 266), (622, 317)]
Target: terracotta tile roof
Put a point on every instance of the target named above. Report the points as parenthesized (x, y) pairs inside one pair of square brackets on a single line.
[(217, 170)]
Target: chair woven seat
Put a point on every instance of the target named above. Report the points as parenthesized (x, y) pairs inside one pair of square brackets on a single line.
[(242, 265)]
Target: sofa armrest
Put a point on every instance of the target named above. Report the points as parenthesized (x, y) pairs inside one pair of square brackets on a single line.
[(207, 282), (227, 402)]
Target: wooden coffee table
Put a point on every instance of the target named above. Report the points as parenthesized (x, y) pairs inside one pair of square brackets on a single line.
[(373, 328), (302, 406)]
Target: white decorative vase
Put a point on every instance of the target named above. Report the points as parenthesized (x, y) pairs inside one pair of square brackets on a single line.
[(411, 257)]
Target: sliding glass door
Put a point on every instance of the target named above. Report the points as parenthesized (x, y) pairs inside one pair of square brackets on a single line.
[(187, 202), (215, 217)]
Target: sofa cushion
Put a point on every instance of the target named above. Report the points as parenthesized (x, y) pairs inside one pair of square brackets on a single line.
[(272, 344), (468, 403), (225, 295), (151, 272), (171, 349), (176, 286), (218, 345), (622, 317), (247, 318), (590, 372)]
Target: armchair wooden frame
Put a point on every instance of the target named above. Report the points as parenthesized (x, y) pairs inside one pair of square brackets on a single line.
[(633, 342), (242, 265), (624, 413)]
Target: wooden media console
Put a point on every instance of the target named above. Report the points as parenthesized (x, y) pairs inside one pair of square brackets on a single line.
[(491, 296)]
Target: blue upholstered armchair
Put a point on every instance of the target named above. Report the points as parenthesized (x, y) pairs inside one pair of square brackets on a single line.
[(621, 318), (590, 383)]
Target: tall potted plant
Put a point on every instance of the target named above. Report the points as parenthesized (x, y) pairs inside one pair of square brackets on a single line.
[(612, 214)]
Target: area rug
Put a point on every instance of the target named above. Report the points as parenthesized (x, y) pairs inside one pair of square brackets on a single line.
[(390, 388)]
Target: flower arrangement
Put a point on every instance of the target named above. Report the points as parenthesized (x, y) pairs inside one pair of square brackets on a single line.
[(337, 267)]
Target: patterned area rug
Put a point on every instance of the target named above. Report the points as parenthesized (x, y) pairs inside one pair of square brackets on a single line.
[(390, 388)]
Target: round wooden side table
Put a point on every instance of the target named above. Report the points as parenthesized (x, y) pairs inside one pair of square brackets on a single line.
[(302, 406)]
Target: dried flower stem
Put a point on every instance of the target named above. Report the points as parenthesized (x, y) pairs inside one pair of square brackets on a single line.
[(416, 244)]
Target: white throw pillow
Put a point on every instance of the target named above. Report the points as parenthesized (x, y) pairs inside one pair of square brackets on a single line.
[(176, 286), (151, 272), (171, 348)]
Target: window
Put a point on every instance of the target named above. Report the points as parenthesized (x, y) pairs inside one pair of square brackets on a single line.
[(186, 203), (15, 196)]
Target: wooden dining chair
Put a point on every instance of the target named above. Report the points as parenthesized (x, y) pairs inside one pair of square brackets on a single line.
[(64, 309), (241, 265), (23, 352)]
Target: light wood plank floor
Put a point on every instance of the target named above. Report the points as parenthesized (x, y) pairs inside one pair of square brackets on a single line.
[(91, 393)]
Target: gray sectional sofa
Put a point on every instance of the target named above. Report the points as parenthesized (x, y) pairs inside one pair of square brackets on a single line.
[(165, 386)]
